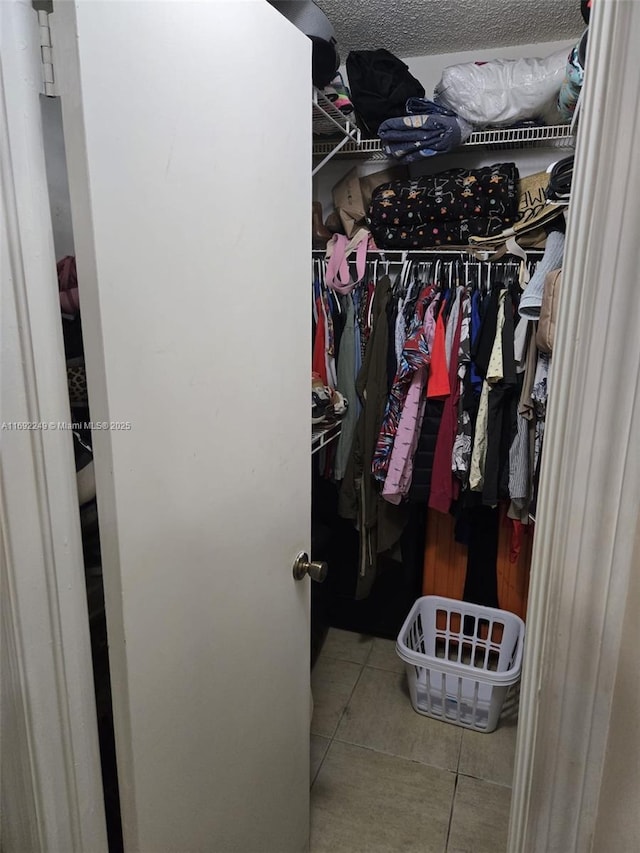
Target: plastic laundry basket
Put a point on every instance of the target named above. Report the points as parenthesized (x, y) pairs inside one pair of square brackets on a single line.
[(460, 660)]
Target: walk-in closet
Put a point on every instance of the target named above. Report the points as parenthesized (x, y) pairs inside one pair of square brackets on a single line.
[(319, 488), (447, 529)]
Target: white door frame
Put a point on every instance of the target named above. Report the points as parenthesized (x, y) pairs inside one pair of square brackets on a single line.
[(587, 514), (589, 504), (51, 785)]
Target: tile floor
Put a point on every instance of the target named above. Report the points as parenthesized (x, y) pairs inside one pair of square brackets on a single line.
[(387, 780)]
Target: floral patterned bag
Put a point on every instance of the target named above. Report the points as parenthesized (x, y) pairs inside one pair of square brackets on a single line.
[(445, 208)]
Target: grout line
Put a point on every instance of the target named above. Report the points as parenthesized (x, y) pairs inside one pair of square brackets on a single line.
[(395, 755), (348, 702), (484, 779), (380, 668), (380, 751), (460, 752), (370, 748), (373, 639), (453, 799), (332, 737), (326, 752), (324, 656)]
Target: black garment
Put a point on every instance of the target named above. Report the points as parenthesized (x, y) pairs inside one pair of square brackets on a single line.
[(481, 583), (72, 337), (498, 426), (392, 362), (361, 317), (501, 424), (379, 522), (380, 86), (339, 321), (425, 452), (481, 349)]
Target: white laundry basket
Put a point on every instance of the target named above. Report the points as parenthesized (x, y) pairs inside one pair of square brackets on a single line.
[(461, 659)]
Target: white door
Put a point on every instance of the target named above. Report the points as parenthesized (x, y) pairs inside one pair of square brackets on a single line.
[(187, 129)]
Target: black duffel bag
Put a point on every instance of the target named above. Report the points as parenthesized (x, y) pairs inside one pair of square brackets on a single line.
[(380, 86)]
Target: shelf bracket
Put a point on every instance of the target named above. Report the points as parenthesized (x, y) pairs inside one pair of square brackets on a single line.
[(328, 121)]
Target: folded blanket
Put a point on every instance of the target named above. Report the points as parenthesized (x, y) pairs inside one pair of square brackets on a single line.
[(409, 138), (442, 132), (423, 106)]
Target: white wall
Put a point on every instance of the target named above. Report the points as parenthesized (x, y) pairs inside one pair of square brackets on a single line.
[(618, 816)]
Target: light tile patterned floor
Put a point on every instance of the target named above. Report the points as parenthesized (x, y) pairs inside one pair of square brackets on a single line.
[(387, 780)]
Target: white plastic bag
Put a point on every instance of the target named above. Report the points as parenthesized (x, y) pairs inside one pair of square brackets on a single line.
[(502, 92)]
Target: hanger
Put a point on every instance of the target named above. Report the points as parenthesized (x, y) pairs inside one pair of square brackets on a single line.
[(406, 272), (417, 279), (370, 311), (436, 274), (515, 272)]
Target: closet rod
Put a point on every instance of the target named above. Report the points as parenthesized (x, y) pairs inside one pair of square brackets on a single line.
[(409, 253)]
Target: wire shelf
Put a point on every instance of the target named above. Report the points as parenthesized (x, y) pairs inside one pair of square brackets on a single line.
[(328, 121), (323, 434), (556, 136), (559, 134)]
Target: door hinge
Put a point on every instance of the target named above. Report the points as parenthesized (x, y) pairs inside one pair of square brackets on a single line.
[(46, 52)]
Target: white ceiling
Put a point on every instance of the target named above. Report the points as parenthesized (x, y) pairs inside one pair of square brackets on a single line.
[(418, 27)]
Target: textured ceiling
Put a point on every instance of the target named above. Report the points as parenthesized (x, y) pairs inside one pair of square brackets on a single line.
[(417, 27)]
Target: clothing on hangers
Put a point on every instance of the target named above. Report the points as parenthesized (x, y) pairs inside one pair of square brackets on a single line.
[(415, 354), (444, 487), (346, 372), (380, 524), (461, 451), (461, 422), (501, 420), (319, 361), (400, 473)]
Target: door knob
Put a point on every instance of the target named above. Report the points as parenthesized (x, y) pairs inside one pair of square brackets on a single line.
[(302, 566)]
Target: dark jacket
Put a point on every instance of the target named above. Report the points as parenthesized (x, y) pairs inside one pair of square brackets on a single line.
[(380, 523), (425, 452)]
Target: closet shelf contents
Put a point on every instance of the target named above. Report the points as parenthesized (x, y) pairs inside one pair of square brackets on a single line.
[(557, 136), (324, 434), (328, 121)]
